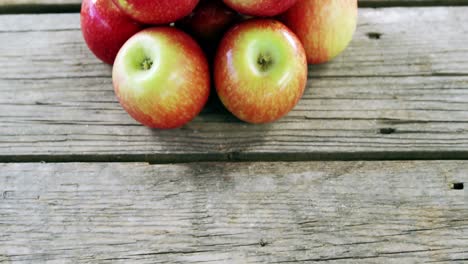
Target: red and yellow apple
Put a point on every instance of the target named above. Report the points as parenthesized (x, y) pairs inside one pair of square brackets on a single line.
[(260, 70), (262, 8), (161, 77), (105, 28), (156, 12), (209, 20), (325, 27)]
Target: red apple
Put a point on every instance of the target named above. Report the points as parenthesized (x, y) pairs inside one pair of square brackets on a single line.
[(161, 77), (156, 11), (260, 70), (325, 28), (209, 20), (105, 28), (263, 8)]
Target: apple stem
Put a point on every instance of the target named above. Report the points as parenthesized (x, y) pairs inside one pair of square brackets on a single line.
[(264, 61), (146, 64)]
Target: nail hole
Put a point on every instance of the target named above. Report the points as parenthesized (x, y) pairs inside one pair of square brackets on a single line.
[(387, 131), (457, 186), (263, 243), (374, 35), (7, 194)]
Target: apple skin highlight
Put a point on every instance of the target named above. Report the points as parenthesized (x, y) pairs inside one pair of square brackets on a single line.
[(325, 28), (156, 12), (105, 28), (175, 85), (261, 8), (251, 93)]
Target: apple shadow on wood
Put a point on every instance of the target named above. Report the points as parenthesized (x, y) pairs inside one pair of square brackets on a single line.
[(319, 70), (215, 130), (260, 73)]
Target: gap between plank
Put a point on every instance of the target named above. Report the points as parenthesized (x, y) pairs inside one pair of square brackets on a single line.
[(240, 157), (39, 9)]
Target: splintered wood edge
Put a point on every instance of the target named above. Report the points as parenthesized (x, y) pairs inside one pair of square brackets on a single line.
[(413, 211)]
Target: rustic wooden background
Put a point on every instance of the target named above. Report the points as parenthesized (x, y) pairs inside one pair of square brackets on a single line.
[(369, 167)]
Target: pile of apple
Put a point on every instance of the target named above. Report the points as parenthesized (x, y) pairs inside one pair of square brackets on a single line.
[(165, 53)]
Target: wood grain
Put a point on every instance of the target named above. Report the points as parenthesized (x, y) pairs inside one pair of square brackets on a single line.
[(399, 92), (403, 92), (44, 6), (366, 212), (39, 6), (383, 3), (39, 2)]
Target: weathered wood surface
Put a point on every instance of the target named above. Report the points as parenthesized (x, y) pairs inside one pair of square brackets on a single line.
[(18, 6), (382, 3), (39, 6), (53, 87), (38, 2), (345, 212), (400, 91)]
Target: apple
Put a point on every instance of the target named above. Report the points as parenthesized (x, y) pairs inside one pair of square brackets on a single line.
[(161, 77), (325, 28), (105, 28), (156, 11), (208, 22), (263, 8), (260, 70)]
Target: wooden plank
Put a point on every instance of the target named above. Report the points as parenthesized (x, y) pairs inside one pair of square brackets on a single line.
[(43, 6), (383, 3), (345, 212), (39, 6), (39, 2), (54, 2), (400, 91)]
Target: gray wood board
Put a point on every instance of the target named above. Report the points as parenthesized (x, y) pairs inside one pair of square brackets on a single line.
[(400, 91), (45, 6), (345, 212), (383, 3)]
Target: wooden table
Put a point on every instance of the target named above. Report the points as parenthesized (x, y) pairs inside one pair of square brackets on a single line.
[(369, 167)]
